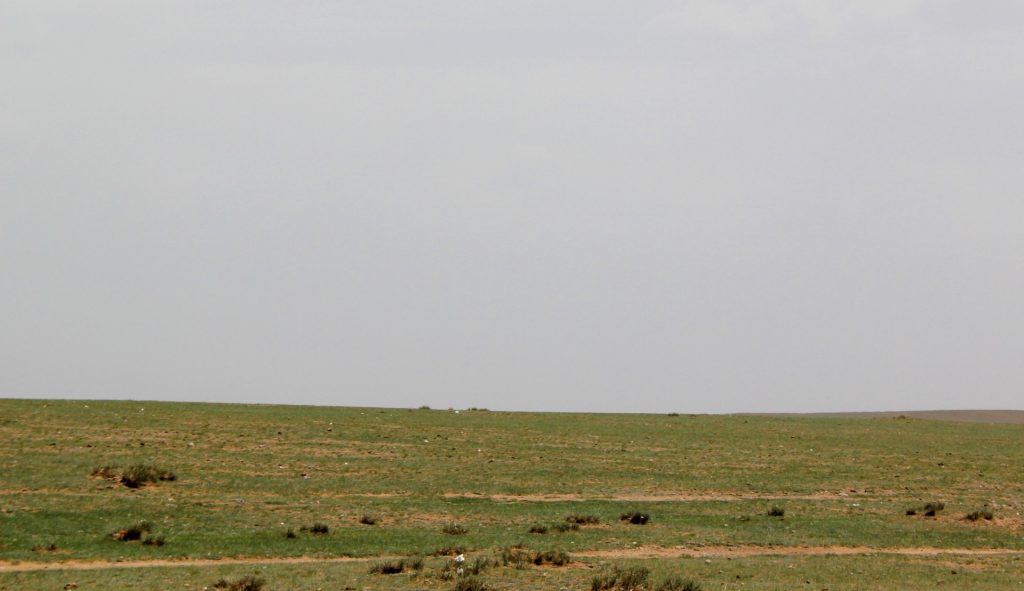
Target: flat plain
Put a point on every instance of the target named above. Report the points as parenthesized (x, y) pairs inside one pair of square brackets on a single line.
[(327, 497)]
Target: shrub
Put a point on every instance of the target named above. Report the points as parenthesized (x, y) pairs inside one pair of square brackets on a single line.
[(414, 563), (982, 514), (480, 564), (582, 519), (677, 583), (635, 517), (157, 541), (564, 527), (470, 584), (136, 475), (133, 533), (290, 534), (387, 567), (369, 520), (538, 529), (316, 528), (930, 509), (246, 583), (776, 511), (912, 511), (627, 579), (454, 529), (51, 547), (555, 557)]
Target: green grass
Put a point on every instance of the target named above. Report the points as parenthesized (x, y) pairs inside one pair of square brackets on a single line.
[(246, 474)]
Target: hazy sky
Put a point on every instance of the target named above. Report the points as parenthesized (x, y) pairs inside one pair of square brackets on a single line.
[(693, 206)]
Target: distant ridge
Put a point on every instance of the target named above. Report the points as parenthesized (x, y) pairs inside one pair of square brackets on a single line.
[(1015, 417)]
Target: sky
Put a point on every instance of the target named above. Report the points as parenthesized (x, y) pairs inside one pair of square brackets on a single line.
[(691, 206)]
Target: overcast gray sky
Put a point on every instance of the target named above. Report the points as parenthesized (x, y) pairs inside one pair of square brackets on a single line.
[(694, 206)]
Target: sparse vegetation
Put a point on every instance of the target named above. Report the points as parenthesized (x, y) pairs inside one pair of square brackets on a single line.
[(470, 584), (369, 520), (45, 547), (538, 529), (387, 567), (449, 551), (582, 519), (776, 511), (677, 583), (980, 514), (562, 527)]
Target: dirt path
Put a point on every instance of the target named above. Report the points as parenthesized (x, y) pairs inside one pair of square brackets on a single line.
[(634, 553), (670, 497)]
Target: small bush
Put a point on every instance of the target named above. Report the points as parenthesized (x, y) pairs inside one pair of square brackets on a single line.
[(133, 533), (316, 528), (414, 563), (515, 556), (555, 557), (136, 475), (912, 511), (626, 579), (635, 517), (51, 547), (677, 583), (565, 527), (157, 541), (470, 584), (931, 509), (246, 583), (982, 514), (776, 512), (454, 529), (388, 567), (369, 520), (538, 529), (582, 519), (290, 534), (480, 564)]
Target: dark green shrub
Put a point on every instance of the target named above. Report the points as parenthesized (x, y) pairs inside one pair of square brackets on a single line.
[(157, 541), (538, 529), (290, 534), (582, 519), (982, 514), (389, 567), (133, 533), (246, 583), (316, 528), (930, 509), (776, 511), (563, 527), (137, 475), (635, 517), (454, 529), (555, 557), (51, 547), (369, 520)]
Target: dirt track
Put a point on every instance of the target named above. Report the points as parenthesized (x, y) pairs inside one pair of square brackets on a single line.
[(635, 553)]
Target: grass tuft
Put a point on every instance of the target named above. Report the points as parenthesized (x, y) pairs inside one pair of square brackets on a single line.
[(369, 520), (776, 511), (136, 475), (582, 519), (470, 584)]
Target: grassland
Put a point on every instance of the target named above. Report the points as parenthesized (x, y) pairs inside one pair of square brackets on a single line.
[(246, 475)]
